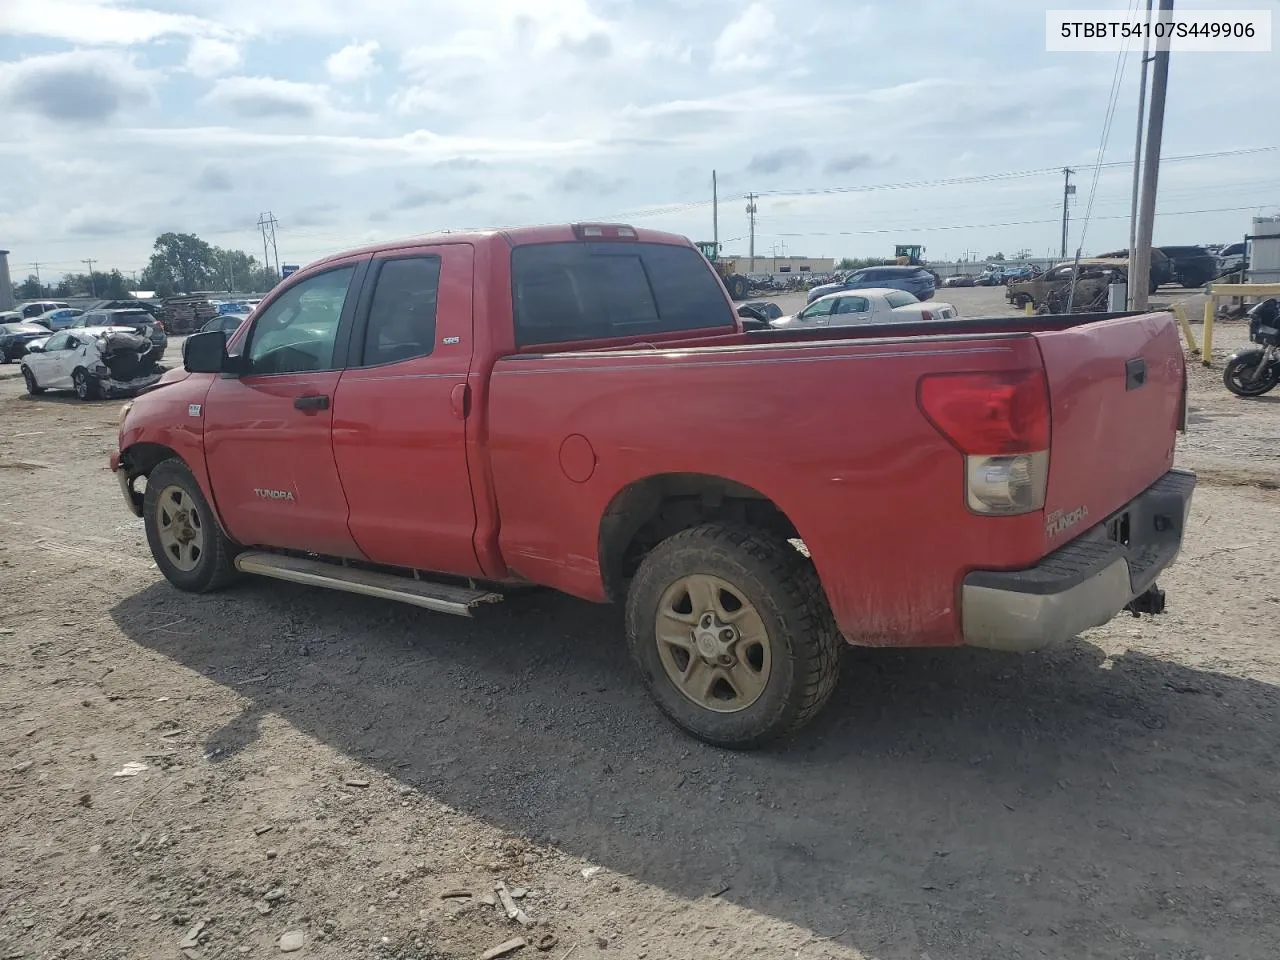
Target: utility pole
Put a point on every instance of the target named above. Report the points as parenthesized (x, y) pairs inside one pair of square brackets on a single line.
[(93, 289), (267, 224), (1067, 191), (1137, 156), (715, 215), (751, 215), (1140, 265), (35, 265)]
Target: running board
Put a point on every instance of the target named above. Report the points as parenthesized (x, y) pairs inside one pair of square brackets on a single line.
[(441, 597)]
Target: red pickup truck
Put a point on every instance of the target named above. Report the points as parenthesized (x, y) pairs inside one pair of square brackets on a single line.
[(579, 407)]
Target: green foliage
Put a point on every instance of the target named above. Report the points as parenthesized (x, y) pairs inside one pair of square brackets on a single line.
[(857, 263), (28, 289), (107, 286), (183, 263)]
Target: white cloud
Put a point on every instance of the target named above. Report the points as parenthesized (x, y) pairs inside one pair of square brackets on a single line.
[(98, 22), (209, 58), (267, 98), (747, 41), (76, 87), (353, 62)]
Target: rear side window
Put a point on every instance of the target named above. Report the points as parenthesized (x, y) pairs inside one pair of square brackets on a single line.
[(564, 292), (899, 298), (402, 316)]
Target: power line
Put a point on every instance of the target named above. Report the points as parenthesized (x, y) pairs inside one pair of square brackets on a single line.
[(93, 288), (267, 224)]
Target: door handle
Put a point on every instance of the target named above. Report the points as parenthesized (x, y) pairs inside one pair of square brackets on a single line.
[(313, 401)]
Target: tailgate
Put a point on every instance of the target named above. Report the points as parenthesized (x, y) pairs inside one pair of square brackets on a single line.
[(1116, 391)]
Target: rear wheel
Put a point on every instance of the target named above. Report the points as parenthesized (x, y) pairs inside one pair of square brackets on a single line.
[(732, 634), (188, 545), (1020, 300), (738, 288), (33, 388), (86, 387)]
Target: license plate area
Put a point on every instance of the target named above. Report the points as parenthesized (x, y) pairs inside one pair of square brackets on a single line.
[(1118, 528)]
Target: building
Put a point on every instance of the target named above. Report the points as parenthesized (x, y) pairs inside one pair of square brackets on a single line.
[(781, 267)]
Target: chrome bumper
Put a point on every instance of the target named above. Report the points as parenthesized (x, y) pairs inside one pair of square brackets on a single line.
[(1084, 583)]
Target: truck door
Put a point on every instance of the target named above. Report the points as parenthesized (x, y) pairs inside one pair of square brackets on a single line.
[(268, 431), (399, 430)]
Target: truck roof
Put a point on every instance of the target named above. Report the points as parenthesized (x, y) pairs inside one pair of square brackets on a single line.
[(513, 236)]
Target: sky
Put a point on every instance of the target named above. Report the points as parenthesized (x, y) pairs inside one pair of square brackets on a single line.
[(860, 125)]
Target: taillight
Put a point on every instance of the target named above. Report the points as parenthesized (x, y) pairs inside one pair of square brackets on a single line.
[(159, 326), (1000, 422)]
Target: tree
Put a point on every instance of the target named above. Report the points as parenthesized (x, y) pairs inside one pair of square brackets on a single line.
[(996, 256), (182, 262), (107, 286), (28, 289), (857, 263)]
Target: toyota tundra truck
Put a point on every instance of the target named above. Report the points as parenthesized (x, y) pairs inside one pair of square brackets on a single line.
[(444, 420)]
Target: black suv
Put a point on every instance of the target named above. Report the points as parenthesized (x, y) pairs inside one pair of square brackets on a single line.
[(1192, 266)]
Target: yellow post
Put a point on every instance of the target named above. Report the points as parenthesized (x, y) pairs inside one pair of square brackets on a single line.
[(1029, 308), (1206, 355), (1185, 325)]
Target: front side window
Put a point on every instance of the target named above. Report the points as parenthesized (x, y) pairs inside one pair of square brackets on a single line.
[(402, 316), (817, 309), (565, 292), (296, 334)]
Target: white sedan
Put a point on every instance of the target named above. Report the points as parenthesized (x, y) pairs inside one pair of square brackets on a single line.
[(95, 362), (859, 307)]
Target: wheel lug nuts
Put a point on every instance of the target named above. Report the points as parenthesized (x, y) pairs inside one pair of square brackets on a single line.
[(726, 635)]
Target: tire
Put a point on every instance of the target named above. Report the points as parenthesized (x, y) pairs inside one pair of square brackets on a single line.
[(794, 629), (1154, 286), (1240, 368), (86, 387), (173, 506), (1020, 300), (738, 288), (33, 388)]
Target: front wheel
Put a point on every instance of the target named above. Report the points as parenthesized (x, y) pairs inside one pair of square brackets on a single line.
[(33, 388), (732, 635), (738, 288), (1250, 374), (188, 545)]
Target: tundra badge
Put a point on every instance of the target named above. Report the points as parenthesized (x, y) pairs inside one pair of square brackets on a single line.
[(1061, 521), (273, 494)]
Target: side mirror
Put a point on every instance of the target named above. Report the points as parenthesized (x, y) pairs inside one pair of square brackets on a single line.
[(205, 352), (35, 348)]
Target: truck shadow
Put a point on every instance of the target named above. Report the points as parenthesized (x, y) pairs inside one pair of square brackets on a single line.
[(966, 804)]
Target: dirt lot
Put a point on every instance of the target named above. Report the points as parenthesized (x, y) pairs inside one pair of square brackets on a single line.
[(323, 769)]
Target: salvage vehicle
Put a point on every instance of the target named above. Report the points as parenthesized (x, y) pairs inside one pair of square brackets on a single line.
[(866, 306), (95, 362), (441, 420), (136, 319), (914, 280), (15, 337)]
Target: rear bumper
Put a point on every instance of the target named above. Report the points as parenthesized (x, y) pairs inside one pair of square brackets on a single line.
[(1084, 583)]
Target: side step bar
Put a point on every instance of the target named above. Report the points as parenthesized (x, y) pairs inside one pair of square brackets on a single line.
[(441, 597)]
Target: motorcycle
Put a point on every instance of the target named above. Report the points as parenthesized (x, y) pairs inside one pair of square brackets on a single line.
[(1252, 372)]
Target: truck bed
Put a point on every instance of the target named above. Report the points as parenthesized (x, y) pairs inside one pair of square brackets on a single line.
[(827, 426)]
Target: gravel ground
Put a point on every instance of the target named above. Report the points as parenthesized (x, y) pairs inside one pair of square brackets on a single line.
[(324, 769)]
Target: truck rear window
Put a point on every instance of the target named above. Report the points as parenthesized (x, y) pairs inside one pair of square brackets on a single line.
[(564, 292)]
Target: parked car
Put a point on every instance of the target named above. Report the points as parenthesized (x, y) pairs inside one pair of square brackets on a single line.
[(917, 490), (853, 308), (1231, 257), (1192, 266), (135, 318), (915, 280), (961, 280), (95, 362), (60, 319), (16, 335), (228, 323), (33, 308), (1161, 266)]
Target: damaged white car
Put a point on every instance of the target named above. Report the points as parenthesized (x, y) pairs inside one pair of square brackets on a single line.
[(95, 362)]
